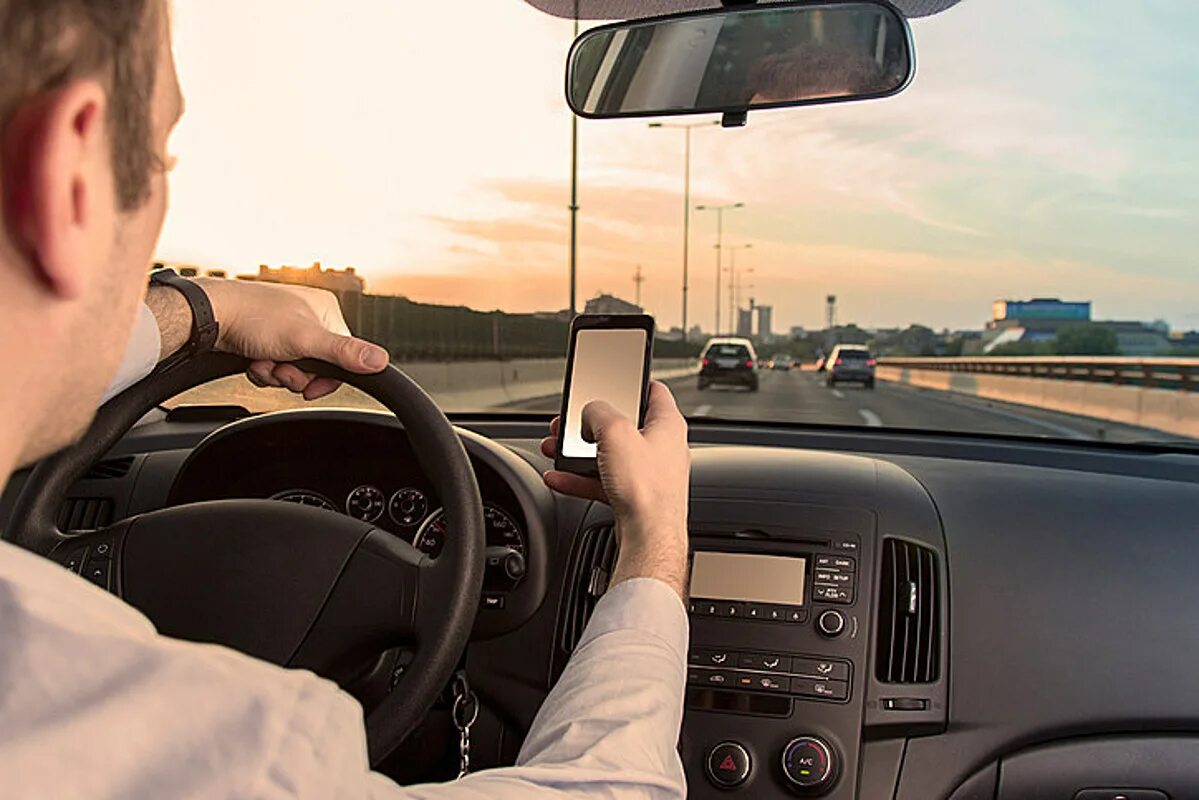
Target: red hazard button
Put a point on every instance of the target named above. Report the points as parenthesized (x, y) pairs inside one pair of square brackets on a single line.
[(728, 765)]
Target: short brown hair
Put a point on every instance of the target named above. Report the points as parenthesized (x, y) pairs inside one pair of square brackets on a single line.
[(813, 70), (45, 44)]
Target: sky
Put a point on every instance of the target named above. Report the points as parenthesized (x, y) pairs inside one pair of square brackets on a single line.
[(1044, 149)]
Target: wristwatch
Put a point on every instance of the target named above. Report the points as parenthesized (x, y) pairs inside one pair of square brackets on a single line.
[(204, 324)]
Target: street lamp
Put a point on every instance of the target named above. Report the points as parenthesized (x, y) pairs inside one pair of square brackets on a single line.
[(719, 240), (734, 297), (686, 127)]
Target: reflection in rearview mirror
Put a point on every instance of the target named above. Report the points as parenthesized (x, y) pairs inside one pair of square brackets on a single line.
[(738, 59)]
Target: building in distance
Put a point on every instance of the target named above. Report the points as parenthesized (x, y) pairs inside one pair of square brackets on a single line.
[(611, 304)]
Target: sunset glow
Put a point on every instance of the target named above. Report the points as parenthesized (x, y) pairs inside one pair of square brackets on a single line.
[(428, 146)]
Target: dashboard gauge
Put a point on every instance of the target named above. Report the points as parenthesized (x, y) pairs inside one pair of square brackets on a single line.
[(366, 503), (502, 531), (305, 498), (408, 507)]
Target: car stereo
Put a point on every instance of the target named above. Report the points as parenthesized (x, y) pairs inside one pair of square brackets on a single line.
[(773, 671)]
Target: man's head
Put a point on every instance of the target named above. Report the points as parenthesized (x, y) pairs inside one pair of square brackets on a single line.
[(88, 98), (814, 71)]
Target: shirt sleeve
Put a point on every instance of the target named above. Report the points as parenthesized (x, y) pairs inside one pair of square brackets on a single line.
[(141, 354), (610, 727)]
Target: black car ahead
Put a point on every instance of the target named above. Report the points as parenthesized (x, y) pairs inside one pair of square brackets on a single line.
[(729, 361)]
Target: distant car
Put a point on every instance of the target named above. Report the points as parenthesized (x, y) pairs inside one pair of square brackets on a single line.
[(729, 361), (781, 361), (850, 362)]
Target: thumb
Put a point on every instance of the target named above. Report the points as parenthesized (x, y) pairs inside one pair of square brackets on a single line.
[(601, 420), (349, 353)]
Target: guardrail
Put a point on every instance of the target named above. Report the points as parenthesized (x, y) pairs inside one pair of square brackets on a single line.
[(1149, 373), (1158, 393)]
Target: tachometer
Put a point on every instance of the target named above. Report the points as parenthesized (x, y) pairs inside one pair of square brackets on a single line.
[(502, 531), (305, 498), (366, 503), (408, 507)]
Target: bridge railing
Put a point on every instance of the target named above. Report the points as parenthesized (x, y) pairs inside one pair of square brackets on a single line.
[(1181, 374)]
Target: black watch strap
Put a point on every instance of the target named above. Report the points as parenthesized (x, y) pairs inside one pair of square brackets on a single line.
[(204, 324)]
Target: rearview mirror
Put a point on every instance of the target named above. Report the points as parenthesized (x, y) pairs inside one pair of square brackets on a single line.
[(738, 59)]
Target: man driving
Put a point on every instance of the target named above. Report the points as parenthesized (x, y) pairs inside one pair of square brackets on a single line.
[(93, 703)]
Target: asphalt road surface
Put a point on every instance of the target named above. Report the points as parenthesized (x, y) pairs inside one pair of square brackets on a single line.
[(796, 396)]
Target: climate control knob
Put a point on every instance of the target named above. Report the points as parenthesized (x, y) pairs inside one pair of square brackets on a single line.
[(831, 623), (810, 764)]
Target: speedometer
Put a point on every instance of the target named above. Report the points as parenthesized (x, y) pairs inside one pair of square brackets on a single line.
[(502, 531)]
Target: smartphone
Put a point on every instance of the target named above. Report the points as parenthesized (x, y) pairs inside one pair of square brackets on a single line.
[(609, 359)]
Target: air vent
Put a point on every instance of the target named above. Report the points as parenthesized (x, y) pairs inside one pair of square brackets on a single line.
[(110, 469), (594, 560), (79, 514), (909, 615)]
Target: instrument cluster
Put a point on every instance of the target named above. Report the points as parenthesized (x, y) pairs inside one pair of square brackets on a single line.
[(409, 513)]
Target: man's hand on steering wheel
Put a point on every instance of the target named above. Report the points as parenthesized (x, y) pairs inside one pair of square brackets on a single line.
[(272, 324)]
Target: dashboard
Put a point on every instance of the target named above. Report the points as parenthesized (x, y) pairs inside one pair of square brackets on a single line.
[(879, 615)]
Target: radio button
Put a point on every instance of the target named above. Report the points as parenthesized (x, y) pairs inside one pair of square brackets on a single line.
[(835, 562), (833, 577), (797, 615), (766, 662), (832, 594), (777, 613), (826, 690), (756, 611), (833, 670), (730, 610)]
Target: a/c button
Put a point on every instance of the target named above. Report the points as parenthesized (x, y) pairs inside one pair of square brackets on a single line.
[(728, 765)]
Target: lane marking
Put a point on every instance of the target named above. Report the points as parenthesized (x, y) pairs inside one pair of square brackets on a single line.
[(701, 411), (873, 420), (837, 394)]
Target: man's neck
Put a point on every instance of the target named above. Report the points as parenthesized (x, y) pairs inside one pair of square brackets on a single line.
[(14, 405)]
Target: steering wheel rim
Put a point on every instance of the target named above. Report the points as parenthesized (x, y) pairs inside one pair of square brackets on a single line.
[(440, 454)]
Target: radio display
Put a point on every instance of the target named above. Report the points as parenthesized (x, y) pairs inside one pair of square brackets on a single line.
[(748, 577)]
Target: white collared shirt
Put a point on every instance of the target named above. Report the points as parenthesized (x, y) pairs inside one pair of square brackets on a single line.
[(95, 704)]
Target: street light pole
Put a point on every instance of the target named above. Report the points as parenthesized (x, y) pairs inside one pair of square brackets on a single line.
[(686, 128), (734, 297), (574, 197), (719, 244)]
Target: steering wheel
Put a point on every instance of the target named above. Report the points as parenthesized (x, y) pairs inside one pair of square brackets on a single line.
[(297, 586)]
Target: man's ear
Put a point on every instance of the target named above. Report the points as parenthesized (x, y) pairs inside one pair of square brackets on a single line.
[(59, 198)]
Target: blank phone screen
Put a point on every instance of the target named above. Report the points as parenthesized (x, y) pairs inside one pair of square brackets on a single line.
[(607, 366)]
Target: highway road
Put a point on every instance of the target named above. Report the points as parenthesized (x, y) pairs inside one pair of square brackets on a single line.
[(795, 396)]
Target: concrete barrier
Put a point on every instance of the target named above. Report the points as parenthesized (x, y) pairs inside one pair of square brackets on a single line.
[(456, 386), (1161, 409)]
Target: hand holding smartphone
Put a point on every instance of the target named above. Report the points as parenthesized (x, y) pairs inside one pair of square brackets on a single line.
[(609, 359)]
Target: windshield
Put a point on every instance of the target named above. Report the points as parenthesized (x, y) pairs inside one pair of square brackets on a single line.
[(1011, 237)]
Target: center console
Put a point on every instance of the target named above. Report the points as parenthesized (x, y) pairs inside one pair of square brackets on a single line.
[(779, 643)]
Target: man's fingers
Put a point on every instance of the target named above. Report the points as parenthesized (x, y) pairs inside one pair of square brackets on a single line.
[(555, 425), (321, 387), (260, 374), (347, 352), (293, 377), (549, 447), (575, 485)]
